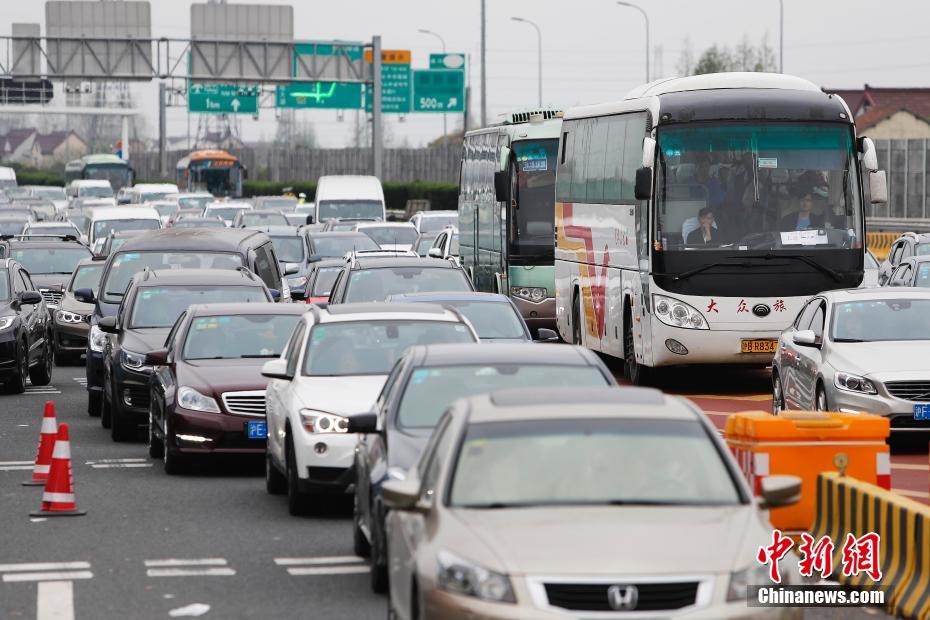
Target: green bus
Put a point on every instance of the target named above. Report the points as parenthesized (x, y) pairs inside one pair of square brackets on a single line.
[(102, 166), (506, 210)]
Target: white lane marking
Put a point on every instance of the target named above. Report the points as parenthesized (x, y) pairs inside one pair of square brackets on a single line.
[(15, 462), (42, 389), (55, 600), (34, 566), (191, 611), (81, 380), (196, 562), (115, 461), (38, 519), (190, 572), (50, 576), (327, 570), (120, 465), (16, 467), (335, 559)]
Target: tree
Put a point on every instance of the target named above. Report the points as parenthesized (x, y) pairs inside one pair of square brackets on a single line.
[(714, 60), (720, 59)]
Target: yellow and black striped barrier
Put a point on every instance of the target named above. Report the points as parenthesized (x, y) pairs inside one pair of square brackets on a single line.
[(880, 243), (849, 506)]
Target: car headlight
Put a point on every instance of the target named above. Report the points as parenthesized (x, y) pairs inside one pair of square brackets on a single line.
[(189, 398), (321, 422), (63, 316), (461, 576), (97, 339), (132, 361), (677, 313), (530, 293), (6, 321), (756, 574), (853, 383)]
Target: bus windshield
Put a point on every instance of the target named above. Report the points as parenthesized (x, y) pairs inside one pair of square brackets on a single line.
[(757, 186), (330, 209), (218, 177), (531, 229), (117, 174)]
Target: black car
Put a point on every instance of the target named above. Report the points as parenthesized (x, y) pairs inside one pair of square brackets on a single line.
[(152, 303), (337, 244), (426, 379), (50, 261), (377, 277), (320, 279), (170, 248), (117, 239), (25, 331)]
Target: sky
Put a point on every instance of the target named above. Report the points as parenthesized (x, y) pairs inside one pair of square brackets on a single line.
[(593, 50)]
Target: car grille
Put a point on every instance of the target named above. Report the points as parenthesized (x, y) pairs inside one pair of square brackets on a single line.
[(250, 403), (909, 390), (594, 597), (52, 298)]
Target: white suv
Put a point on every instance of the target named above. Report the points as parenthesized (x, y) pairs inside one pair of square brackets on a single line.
[(334, 366)]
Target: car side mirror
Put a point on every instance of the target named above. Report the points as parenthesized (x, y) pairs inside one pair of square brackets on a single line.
[(780, 491), (291, 268), (159, 357), (310, 219), (401, 494), (501, 182), (276, 369), (314, 258), (805, 338), (84, 295), (434, 253), (107, 324), (298, 294), (878, 187), (643, 189), (30, 298), (544, 334), (363, 422)]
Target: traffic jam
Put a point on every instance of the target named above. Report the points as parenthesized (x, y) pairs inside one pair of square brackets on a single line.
[(479, 405)]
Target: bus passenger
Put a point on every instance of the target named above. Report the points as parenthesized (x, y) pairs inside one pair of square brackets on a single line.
[(803, 218)]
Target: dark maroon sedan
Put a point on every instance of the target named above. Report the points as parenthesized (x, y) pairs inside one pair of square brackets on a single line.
[(207, 392)]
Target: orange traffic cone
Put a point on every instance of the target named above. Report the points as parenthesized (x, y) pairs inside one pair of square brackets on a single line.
[(46, 444), (58, 498)]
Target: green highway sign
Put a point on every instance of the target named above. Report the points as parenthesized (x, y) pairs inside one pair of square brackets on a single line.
[(439, 90), (223, 98), (447, 61), (395, 82), (328, 95)]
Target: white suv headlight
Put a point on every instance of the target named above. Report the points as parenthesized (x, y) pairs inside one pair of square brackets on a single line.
[(462, 576), (132, 361), (321, 422), (189, 398), (97, 339), (63, 316), (677, 313), (853, 383)]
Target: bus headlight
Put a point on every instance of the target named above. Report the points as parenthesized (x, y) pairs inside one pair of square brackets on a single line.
[(677, 313), (534, 294)]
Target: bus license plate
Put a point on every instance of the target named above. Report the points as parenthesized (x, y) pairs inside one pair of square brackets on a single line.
[(256, 429), (758, 346), (922, 412)]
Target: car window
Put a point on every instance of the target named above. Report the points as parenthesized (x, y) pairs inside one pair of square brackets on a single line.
[(797, 319), (808, 314), (922, 249), (325, 278), (379, 284), (923, 275), (817, 321), (264, 267), (4, 284), (491, 319), (125, 265), (335, 247), (334, 291), (430, 477), (169, 341), (907, 251), (389, 383), (54, 260), (896, 253), (257, 336), (19, 285), (294, 347), (427, 457), (160, 306)]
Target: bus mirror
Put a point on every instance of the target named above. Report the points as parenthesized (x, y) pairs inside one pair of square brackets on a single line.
[(649, 152), (504, 161), (869, 154), (643, 188), (501, 181), (878, 187)]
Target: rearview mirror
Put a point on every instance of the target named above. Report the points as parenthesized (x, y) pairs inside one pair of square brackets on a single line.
[(869, 154), (544, 334), (649, 152), (779, 491), (401, 494), (643, 189), (107, 324), (805, 338), (434, 253), (30, 298), (276, 369), (159, 357), (878, 187), (84, 295), (363, 422), (501, 181)]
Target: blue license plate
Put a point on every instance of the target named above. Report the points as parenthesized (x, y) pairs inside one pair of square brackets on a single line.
[(256, 430), (922, 412)]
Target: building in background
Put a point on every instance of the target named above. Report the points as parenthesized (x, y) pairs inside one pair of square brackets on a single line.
[(31, 148), (889, 113)]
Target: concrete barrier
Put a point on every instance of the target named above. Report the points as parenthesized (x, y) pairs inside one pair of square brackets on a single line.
[(880, 243)]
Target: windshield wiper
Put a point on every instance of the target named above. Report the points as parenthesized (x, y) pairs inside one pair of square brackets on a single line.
[(746, 262), (806, 260), (258, 356), (114, 294), (849, 340), (693, 272)]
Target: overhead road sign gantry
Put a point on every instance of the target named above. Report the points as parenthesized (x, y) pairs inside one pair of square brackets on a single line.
[(439, 90), (223, 98), (395, 82), (323, 61)]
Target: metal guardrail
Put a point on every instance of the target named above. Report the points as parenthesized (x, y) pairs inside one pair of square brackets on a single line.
[(893, 224)]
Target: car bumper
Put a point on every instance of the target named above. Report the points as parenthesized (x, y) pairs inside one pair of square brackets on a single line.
[(71, 338), (7, 353), (196, 432), (707, 346), (537, 315), (900, 412), (325, 460), (131, 389), (94, 371)]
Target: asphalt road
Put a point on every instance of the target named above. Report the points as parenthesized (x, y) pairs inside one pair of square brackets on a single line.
[(224, 535)]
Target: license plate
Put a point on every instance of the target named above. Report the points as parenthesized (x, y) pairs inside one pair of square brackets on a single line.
[(758, 346), (922, 412), (256, 429)]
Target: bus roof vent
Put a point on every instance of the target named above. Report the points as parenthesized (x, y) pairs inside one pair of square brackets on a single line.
[(527, 116)]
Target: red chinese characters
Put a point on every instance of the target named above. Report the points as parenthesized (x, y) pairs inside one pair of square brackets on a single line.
[(860, 555), (816, 556), (712, 306), (742, 306), (779, 305), (771, 554)]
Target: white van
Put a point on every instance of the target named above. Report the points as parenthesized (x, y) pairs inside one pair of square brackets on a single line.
[(7, 177), (348, 196), (104, 220), (149, 192), (89, 188)]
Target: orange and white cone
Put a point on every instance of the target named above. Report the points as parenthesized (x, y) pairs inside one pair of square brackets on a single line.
[(46, 445), (58, 498)]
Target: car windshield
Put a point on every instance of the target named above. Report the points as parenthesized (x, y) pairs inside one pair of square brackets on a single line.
[(922, 249), (283, 204), (289, 249), (53, 230), (153, 196), (166, 208), (590, 461), (923, 275), (325, 279), (94, 191), (160, 306), (224, 213), (257, 218), (491, 319), (391, 235), (870, 262), (879, 320), (435, 223), (79, 220), (330, 246), (4, 285), (331, 209), (430, 390), (194, 202), (11, 227), (87, 276), (257, 335), (102, 228), (424, 243), (51, 193), (379, 284), (127, 264), (531, 229), (51, 259), (372, 347)]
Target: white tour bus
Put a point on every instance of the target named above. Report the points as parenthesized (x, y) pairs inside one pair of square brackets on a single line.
[(695, 217)]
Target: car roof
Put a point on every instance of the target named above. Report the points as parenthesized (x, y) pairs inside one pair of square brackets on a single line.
[(333, 234), (218, 277), (568, 402), (329, 262), (46, 243), (445, 212), (125, 213), (373, 311), (503, 353), (441, 297), (201, 239), (386, 262), (264, 212), (281, 231), (54, 224), (884, 292), (380, 224), (128, 234), (247, 308)]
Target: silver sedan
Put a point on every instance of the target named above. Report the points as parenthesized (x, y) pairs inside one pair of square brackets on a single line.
[(858, 350)]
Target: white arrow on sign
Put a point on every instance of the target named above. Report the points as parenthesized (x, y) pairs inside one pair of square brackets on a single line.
[(453, 101), (235, 105), (196, 89)]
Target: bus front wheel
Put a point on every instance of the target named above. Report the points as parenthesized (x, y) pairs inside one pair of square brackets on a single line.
[(635, 373)]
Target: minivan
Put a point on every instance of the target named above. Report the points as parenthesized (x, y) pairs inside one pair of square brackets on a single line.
[(105, 220), (348, 196), (89, 188)]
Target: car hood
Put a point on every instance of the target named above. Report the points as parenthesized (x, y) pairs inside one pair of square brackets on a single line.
[(69, 303), (340, 395), (219, 376), (396, 247), (406, 446), (651, 540), (144, 340), (890, 360), (45, 280)]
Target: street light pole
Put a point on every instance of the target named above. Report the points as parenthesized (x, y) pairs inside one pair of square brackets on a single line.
[(539, 48), (645, 17), (781, 36), (442, 42)]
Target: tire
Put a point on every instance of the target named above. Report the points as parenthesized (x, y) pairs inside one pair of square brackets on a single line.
[(576, 320), (379, 573), (821, 403), (778, 395), (174, 463), (16, 382), (275, 482), (156, 445), (41, 373), (94, 404), (360, 544), (120, 428), (297, 502), (636, 373)]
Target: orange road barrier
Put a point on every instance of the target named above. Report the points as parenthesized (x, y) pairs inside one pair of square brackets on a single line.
[(58, 498), (880, 243), (47, 436)]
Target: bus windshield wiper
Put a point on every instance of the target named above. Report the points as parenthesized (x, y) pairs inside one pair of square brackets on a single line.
[(806, 260), (746, 262), (693, 272)]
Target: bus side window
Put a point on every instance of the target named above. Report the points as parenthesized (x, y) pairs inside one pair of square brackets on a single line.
[(632, 155), (563, 188), (595, 161), (579, 157)]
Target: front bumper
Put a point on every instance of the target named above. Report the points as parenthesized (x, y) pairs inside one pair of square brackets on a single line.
[(217, 433), (537, 315), (71, 338), (900, 412), (7, 353), (131, 389), (94, 370), (325, 460), (707, 346)]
